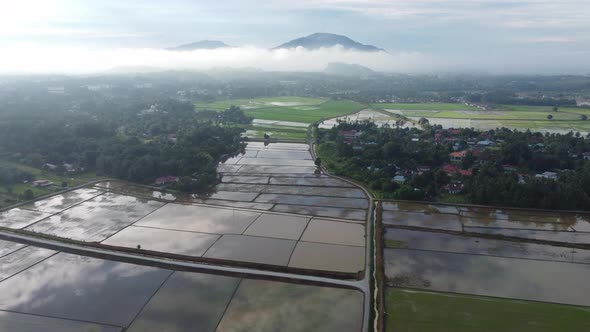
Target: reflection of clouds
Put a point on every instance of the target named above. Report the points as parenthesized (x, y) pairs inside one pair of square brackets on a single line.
[(97, 218), (494, 276), (81, 288)]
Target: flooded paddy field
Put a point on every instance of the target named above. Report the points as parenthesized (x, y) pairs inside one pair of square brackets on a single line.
[(66, 292), (96, 219), (567, 227), (523, 279), (461, 266), (256, 219)]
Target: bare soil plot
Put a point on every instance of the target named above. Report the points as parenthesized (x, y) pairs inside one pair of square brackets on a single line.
[(334, 232), (273, 306), (278, 226), (252, 249)]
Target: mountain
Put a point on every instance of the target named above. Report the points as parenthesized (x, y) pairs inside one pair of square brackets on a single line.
[(348, 69), (318, 40), (200, 45)]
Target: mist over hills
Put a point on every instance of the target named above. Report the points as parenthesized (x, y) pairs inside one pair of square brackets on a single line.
[(318, 40), (200, 45), (312, 42)]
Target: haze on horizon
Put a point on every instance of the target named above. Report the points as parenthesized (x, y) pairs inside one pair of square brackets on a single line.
[(495, 36)]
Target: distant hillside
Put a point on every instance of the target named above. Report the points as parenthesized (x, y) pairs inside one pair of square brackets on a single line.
[(348, 69), (200, 45), (318, 40)]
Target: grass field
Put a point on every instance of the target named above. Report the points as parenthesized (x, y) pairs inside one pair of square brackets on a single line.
[(409, 310), (18, 189), (426, 106), (293, 109)]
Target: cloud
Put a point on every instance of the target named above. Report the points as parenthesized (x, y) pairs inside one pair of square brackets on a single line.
[(30, 59)]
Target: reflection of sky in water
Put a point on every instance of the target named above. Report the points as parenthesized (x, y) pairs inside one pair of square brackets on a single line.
[(97, 218), (63, 201), (187, 302), (11, 321), (474, 245), (490, 276), (82, 288), (199, 219)]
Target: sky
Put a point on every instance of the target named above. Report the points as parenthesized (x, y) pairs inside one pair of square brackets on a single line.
[(495, 36)]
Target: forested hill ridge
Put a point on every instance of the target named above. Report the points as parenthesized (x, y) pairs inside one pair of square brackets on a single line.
[(129, 139), (497, 167)]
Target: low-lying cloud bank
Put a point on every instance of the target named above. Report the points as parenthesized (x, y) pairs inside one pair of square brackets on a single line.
[(34, 59), (82, 61)]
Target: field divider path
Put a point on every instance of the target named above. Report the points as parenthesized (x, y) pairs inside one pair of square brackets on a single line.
[(168, 263)]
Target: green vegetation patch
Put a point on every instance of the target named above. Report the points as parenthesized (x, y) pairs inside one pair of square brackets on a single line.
[(395, 244), (423, 311), (426, 106)]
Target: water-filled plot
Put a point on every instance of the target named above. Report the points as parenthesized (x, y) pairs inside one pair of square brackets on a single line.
[(20, 218), (421, 240), (82, 288), (22, 259), (524, 279), (63, 201), (187, 302), (98, 218), (163, 240), (203, 219), (12, 321), (7, 247)]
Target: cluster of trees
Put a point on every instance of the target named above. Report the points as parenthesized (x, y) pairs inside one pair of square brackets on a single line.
[(381, 153), (11, 175), (133, 139)]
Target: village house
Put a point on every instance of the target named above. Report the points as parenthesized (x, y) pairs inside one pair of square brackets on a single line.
[(50, 167), (399, 179), (547, 175), (350, 134), (42, 183), (458, 156), (455, 170), (586, 155)]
